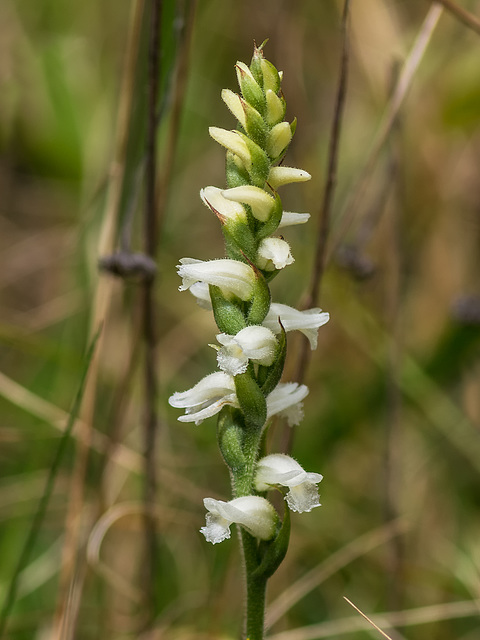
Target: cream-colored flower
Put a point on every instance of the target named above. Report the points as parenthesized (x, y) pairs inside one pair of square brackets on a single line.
[(260, 202), (224, 209)]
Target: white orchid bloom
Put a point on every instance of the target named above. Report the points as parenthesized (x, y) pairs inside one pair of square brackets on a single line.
[(274, 253), (289, 219), (286, 401), (279, 176), (254, 343), (232, 276), (224, 209), (256, 514), (206, 398), (308, 321), (279, 469)]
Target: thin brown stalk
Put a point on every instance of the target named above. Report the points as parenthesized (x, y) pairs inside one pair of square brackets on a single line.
[(66, 611), (403, 85), (367, 618), (468, 19)]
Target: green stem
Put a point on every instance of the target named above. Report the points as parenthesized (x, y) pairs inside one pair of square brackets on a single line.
[(256, 589)]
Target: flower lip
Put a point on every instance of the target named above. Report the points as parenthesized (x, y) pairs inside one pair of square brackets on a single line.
[(286, 401), (280, 470), (274, 253)]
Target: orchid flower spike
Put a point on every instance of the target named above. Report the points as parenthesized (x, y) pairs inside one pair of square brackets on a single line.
[(206, 398), (253, 513), (279, 470)]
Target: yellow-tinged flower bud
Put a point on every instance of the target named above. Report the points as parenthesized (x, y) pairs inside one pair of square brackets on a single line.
[(260, 202), (271, 77), (278, 139), (234, 142), (275, 108), (234, 103), (279, 176)]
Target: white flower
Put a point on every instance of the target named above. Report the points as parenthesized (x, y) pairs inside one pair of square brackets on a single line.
[(281, 470), (224, 209), (252, 512), (274, 253), (261, 203), (279, 176), (206, 398), (308, 321), (254, 343), (289, 219), (231, 276), (286, 401)]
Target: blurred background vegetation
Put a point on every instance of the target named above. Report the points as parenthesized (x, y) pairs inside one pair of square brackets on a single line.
[(393, 415)]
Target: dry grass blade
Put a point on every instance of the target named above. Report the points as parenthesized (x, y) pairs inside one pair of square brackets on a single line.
[(367, 618), (336, 561), (403, 84), (388, 620)]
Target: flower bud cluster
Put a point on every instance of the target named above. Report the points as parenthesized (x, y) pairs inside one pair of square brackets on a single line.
[(246, 391)]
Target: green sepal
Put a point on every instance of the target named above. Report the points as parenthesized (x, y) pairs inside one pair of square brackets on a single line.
[(251, 91), (273, 551), (271, 225), (260, 301), (269, 379), (239, 241), (237, 175), (255, 125), (255, 65), (230, 436), (260, 167), (228, 314), (251, 399), (293, 126)]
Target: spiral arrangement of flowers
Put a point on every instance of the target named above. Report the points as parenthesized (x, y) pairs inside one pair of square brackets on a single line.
[(247, 390)]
